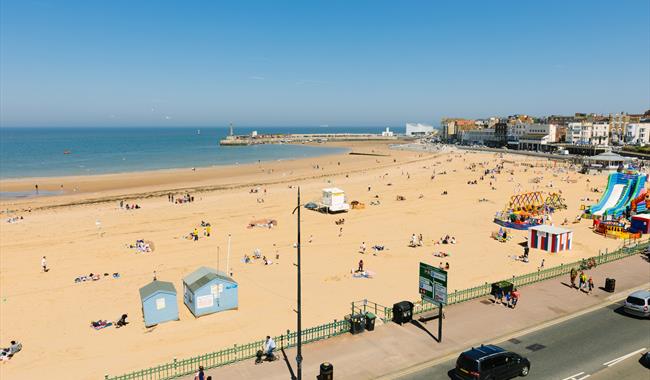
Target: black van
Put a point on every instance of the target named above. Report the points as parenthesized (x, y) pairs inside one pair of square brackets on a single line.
[(490, 362)]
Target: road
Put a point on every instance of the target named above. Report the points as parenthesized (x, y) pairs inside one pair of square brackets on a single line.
[(602, 344)]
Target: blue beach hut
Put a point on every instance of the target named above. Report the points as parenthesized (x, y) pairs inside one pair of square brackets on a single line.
[(208, 291), (158, 302)]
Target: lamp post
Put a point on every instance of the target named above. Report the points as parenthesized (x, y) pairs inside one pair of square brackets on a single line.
[(299, 302)]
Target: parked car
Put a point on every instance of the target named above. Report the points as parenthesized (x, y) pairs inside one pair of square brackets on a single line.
[(490, 362), (638, 304), (645, 359)]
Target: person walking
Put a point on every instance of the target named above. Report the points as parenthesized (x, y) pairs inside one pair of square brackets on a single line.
[(590, 284), (498, 296), (573, 275), (581, 280), (200, 375), (196, 234), (508, 297), (44, 264), (362, 248), (515, 297), (360, 269)]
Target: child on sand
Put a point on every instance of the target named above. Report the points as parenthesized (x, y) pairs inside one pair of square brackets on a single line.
[(44, 264)]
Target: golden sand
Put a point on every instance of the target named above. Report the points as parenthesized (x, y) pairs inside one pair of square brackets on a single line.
[(85, 231)]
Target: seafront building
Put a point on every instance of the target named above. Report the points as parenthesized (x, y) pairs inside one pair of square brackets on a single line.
[(555, 132), (418, 129)]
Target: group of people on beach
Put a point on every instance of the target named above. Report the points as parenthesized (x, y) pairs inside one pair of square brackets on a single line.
[(207, 231), (257, 255), (184, 198), (126, 206), (416, 241), (8, 352)]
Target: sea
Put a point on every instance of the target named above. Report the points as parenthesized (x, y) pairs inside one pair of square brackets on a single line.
[(54, 152)]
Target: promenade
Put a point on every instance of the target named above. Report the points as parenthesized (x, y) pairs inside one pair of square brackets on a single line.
[(392, 350)]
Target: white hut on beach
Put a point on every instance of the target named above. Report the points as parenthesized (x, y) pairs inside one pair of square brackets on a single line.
[(334, 200)]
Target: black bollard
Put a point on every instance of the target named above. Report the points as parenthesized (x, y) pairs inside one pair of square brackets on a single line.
[(326, 371)]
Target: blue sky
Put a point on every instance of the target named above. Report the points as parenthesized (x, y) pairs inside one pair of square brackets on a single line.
[(294, 63)]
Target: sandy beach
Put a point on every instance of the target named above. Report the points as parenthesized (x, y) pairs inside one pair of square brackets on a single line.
[(86, 231)]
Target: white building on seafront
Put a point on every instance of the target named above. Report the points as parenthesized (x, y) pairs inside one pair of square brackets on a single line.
[(588, 133), (637, 133), (418, 129), (537, 137)]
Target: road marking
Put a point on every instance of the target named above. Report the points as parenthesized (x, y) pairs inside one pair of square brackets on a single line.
[(574, 377), (620, 359)]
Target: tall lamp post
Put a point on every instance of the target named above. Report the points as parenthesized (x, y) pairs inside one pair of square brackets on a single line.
[(299, 306)]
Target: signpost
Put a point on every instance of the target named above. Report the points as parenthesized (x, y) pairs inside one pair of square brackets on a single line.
[(433, 288)]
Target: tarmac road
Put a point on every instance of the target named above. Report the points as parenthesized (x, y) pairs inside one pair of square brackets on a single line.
[(604, 343)]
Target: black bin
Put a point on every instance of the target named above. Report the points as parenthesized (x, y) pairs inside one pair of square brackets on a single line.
[(357, 323), (610, 285), (403, 312), (370, 321), (504, 286), (326, 371)]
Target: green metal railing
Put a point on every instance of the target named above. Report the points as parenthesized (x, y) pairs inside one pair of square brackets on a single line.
[(183, 367)]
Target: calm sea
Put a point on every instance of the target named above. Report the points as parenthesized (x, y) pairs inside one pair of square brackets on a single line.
[(39, 152)]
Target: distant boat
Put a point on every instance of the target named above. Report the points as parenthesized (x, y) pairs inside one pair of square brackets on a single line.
[(67, 152), (198, 131)]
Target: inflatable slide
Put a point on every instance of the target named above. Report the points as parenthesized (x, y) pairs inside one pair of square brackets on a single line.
[(622, 188)]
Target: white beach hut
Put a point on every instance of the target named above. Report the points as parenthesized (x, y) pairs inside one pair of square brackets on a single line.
[(334, 200)]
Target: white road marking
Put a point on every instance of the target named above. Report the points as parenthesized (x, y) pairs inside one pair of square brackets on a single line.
[(574, 377), (620, 359)]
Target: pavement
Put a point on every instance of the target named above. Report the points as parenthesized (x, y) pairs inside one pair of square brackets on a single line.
[(394, 351), (605, 342)]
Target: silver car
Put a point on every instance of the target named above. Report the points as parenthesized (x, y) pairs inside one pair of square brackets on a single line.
[(638, 303)]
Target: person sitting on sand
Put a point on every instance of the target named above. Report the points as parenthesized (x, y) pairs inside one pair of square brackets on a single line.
[(452, 240), (447, 266), (257, 253), (122, 321), (414, 241)]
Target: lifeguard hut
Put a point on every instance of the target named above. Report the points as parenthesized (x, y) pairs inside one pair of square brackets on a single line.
[(334, 200)]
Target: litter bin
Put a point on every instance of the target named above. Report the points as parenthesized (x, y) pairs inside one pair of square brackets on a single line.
[(326, 371), (357, 323), (610, 285), (403, 312), (504, 286), (370, 321)]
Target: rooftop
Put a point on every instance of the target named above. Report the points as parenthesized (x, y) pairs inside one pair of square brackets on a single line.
[(204, 275), (550, 229), (154, 287)]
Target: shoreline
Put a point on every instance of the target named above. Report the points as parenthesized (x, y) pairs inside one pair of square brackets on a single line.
[(100, 188), (14, 182)]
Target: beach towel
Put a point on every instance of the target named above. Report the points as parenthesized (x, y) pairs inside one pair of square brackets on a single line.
[(101, 326)]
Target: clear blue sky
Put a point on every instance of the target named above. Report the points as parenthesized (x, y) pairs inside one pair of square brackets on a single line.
[(258, 63)]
